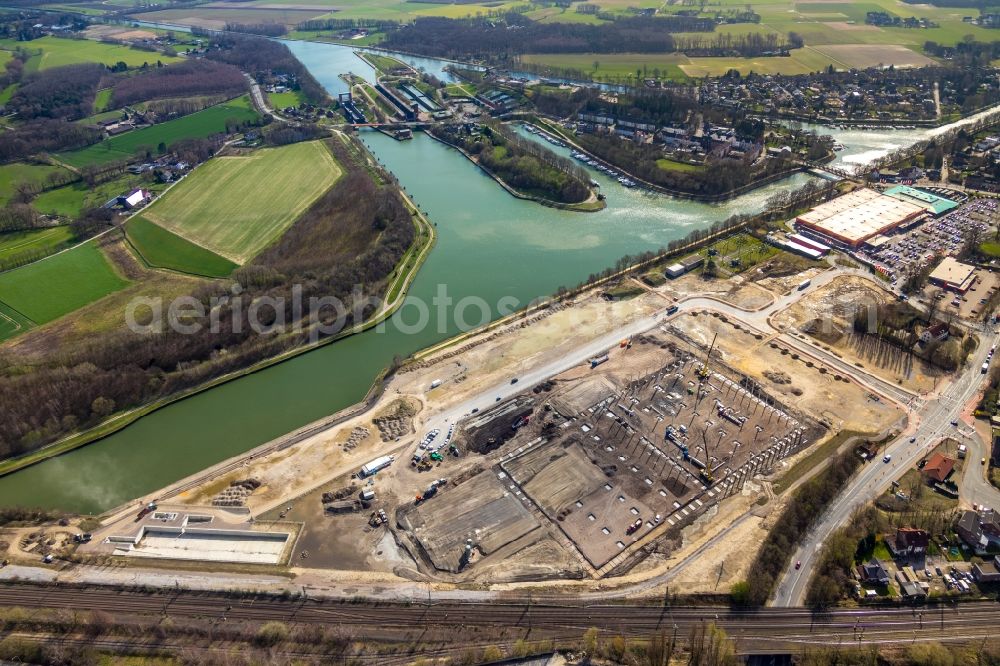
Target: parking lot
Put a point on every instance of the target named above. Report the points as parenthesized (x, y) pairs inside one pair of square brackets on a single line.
[(911, 250)]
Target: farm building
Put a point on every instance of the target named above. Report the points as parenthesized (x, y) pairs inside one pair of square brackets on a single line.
[(953, 274), (134, 199), (853, 218)]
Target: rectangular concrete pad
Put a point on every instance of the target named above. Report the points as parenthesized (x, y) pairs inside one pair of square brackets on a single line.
[(558, 477), (481, 509), (583, 395), (211, 545)]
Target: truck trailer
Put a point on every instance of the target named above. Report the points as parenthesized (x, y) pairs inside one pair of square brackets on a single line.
[(374, 466)]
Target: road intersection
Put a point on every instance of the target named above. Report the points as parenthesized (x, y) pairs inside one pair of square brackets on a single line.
[(927, 427)]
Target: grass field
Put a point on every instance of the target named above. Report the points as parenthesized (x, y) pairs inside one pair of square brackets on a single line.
[(58, 51), (12, 322), (671, 165), (70, 201), (197, 125), (7, 93), (14, 243), (285, 99), (11, 175), (163, 249), (53, 287), (236, 206), (102, 99)]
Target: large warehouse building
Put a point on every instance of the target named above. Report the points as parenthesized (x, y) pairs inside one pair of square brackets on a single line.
[(855, 217)]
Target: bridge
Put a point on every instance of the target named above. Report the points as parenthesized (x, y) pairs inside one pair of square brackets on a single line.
[(840, 173)]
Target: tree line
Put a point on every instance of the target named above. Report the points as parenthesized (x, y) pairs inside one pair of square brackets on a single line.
[(44, 135), (190, 78), (347, 24), (744, 45), (264, 29), (502, 40), (61, 92)]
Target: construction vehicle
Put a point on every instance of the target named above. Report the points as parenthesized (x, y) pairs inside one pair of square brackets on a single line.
[(378, 518), (703, 371), (431, 490), (597, 360), (631, 529), (706, 476), (625, 343), (149, 508), (454, 450), (437, 456)]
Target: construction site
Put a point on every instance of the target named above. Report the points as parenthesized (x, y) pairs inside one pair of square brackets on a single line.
[(604, 464)]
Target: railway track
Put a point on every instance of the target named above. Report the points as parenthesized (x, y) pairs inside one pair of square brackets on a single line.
[(753, 630)]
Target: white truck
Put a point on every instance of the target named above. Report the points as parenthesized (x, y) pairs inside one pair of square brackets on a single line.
[(804, 284), (435, 383)]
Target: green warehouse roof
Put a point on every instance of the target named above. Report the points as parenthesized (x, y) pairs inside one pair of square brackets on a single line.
[(932, 202)]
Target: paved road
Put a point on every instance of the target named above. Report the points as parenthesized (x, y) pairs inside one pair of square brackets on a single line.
[(927, 426), (261, 102), (975, 487)]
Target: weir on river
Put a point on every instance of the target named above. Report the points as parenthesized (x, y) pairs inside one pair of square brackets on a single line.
[(490, 245)]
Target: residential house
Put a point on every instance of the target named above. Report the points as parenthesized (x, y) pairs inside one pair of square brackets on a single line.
[(912, 589), (988, 571), (938, 468), (873, 572), (979, 530), (935, 333), (909, 541)]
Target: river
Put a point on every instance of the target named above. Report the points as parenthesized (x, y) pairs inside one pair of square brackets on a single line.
[(490, 245)]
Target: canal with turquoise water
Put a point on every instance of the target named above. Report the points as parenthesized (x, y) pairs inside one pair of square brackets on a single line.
[(490, 245)]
